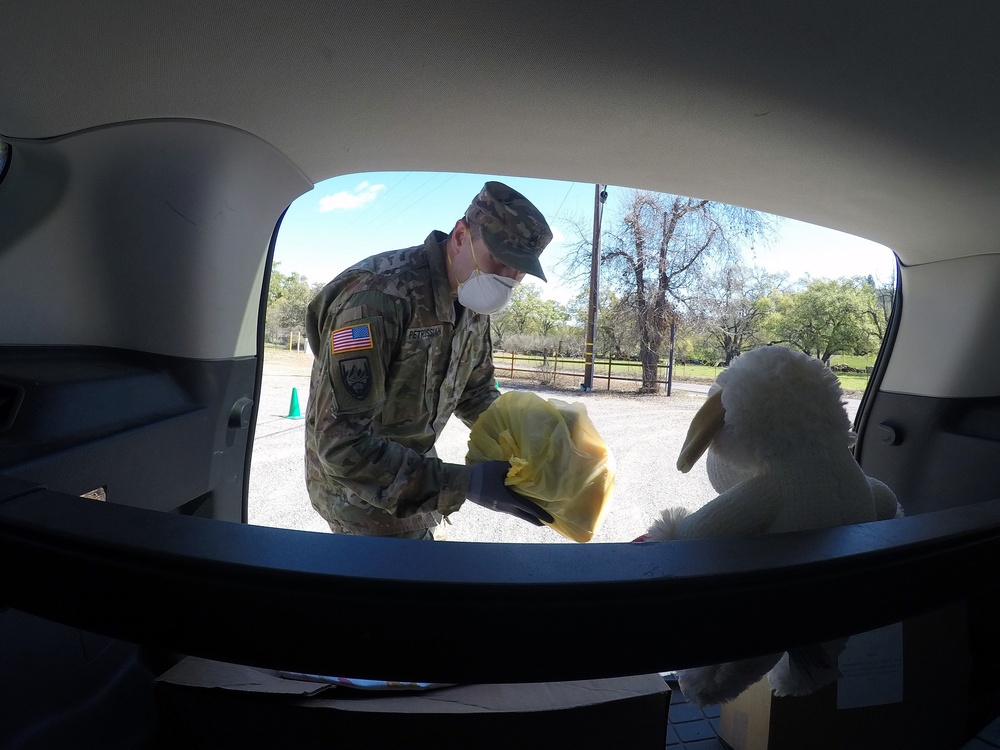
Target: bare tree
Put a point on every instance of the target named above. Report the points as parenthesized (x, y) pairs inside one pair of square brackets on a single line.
[(731, 306), (655, 251)]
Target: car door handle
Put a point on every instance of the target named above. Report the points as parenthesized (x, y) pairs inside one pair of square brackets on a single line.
[(240, 414)]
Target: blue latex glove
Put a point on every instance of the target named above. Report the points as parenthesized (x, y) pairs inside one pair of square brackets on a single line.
[(487, 488)]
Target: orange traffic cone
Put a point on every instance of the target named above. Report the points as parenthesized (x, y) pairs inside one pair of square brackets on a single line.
[(294, 412)]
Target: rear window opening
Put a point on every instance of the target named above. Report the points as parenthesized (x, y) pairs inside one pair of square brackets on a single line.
[(713, 281)]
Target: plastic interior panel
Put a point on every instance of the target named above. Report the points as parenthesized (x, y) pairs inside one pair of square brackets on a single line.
[(168, 260), (151, 430), (934, 453), (928, 358), (262, 596), (61, 684)]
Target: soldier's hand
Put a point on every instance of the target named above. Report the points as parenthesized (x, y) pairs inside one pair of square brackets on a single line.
[(487, 489)]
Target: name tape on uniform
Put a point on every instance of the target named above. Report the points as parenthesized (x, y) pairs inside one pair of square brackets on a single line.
[(415, 334)]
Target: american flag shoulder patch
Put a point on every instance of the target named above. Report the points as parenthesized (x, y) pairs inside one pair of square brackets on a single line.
[(351, 339)]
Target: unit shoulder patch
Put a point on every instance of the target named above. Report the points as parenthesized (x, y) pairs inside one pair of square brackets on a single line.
[(355, 369), (356, 375)]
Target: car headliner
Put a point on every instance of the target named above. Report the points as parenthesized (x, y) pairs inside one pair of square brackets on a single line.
[(880, 121)]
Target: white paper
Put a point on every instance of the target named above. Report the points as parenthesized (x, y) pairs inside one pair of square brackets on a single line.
[(872, 668)]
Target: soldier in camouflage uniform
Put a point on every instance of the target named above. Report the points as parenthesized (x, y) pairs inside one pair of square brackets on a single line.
[(402, 341)]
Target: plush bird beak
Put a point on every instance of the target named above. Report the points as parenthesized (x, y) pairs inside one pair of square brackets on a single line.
[(704, 427)]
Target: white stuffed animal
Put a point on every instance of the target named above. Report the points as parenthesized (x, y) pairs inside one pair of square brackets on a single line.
[(778, 441)]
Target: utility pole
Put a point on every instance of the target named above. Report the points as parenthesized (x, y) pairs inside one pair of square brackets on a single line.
[(673, 322), (670, 366), (600, 195)]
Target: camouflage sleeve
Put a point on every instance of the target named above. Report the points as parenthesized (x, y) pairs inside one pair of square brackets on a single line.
[(357, 339), (481, 390)]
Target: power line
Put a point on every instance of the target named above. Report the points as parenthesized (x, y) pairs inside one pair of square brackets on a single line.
[(572, 185), (357, 217), (393, 206)]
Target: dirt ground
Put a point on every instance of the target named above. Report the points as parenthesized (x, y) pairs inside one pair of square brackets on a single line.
[(644, 435)]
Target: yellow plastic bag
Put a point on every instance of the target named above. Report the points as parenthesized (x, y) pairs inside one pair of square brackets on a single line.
[(557, 458)]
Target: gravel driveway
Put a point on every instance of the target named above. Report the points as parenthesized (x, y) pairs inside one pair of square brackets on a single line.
[(643, 433)]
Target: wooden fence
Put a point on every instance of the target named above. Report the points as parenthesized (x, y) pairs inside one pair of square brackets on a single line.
[(546, 369)]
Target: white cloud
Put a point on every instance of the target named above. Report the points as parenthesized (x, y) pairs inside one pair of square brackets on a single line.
[(362, 195)]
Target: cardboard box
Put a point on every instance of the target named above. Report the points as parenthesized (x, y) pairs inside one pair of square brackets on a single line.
[(903, 686), (205, 704)]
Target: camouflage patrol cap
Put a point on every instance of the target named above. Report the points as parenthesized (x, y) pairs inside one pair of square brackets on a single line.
[(513, 229)]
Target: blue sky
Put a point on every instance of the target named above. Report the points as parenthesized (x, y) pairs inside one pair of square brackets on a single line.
[(348, 218)]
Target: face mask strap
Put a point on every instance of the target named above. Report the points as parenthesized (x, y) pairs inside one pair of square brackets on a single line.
[(472, 247), (479, 271), (474, 261)]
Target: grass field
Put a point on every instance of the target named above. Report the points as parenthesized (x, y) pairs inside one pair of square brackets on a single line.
[(859, 362), (853, 383), (523, 367), (571, 370)]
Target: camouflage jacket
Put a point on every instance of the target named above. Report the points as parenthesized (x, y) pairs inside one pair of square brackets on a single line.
[(395, 357)]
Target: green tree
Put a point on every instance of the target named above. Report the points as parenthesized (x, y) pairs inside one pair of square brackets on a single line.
[(827, 317), (288, 296), (879, 297), (616, 330), (274, 285), (516, 316), (528, 313), (551, 318)]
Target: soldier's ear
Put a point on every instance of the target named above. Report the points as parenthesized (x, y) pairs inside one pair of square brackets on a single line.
[(459, 231)]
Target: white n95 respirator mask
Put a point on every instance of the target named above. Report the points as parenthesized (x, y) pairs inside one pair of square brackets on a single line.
[(485, 293)]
